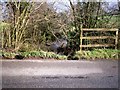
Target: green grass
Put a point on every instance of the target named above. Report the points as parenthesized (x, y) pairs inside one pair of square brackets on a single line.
[(98, 54), (89, 55), (34, 54)]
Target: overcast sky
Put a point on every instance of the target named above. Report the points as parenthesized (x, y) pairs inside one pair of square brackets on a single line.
[(61, 5)]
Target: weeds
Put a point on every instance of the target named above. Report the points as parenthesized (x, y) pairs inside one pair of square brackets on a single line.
[(94, 54), (98, 54), (34, 54)]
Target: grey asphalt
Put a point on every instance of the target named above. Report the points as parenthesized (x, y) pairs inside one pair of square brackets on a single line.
[(59, 74)]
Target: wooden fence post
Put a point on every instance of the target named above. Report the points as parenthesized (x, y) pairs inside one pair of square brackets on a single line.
[(116, 40), (81, 35)]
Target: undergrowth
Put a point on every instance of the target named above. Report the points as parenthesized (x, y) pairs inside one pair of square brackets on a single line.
[(35, 54), (44, 55), (98, 54), (94, 54)]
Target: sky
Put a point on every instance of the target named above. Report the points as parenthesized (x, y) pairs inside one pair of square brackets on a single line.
[(62, 5), (65, 0)]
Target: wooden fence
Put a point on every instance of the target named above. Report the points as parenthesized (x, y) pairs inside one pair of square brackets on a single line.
[(98, 37)]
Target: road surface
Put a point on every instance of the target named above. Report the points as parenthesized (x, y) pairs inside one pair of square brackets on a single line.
[(59, 74)]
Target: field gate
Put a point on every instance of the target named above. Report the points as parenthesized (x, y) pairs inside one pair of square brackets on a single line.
[(103, 37)]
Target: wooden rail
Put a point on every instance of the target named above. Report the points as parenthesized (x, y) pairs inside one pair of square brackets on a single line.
[(101, 37), (99, 29), (98, 45), (98, 37)]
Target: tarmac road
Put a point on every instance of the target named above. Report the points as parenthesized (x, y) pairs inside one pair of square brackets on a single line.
[(59, 74)]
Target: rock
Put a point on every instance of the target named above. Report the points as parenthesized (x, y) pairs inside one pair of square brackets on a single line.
[(58, 46)]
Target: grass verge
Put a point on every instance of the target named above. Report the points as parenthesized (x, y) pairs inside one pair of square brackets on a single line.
[(98, 54), (34, 54)]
